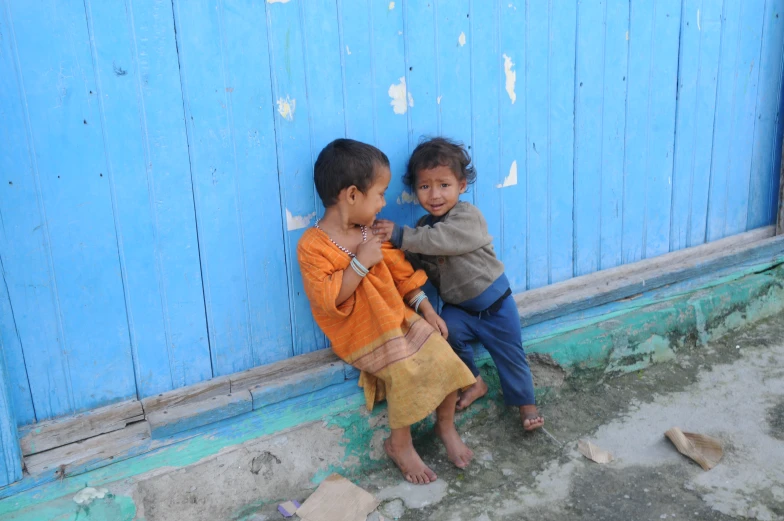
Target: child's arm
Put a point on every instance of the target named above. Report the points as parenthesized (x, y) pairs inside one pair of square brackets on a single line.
[(462, 232), (368, 254)]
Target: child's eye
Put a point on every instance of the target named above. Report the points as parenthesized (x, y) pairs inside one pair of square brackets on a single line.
[(424, 187), (445, 185)]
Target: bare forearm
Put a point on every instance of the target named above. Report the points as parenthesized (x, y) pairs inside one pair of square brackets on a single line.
[(350, 284)]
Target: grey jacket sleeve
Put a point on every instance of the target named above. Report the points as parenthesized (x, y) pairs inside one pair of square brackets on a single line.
[(463, 231)]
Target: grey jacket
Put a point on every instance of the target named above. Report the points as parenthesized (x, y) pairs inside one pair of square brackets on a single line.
[(456, 252)]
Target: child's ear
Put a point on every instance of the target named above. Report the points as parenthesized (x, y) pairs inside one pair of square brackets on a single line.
[(351, 194), (463, 184)]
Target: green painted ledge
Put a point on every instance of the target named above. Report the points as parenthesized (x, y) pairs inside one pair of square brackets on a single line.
[(624, 336)]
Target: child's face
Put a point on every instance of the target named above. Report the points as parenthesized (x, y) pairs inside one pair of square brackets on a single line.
[(366, 206), (438, 189)]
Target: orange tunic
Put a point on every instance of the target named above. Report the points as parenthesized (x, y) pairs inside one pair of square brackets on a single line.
[(400, 355)]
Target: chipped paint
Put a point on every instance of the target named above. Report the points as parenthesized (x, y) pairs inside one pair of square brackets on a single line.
[(627, 36), (277, 1), (698, 20), (511, 179), (348, 51), (461, 39), (438, 100), (286, 108), (399, 95), (511, 78), (391, 5), (297, 222), (407, 198)]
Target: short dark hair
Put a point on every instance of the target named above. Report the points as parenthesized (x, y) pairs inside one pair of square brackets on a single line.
[(439, 151), (344, 163)]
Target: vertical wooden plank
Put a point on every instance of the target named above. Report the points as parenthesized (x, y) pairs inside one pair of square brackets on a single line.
[(18, 387), (537, 99), (764, 167), (294, 156), (661, 122), (11, 457), (395, 101), (487, 81), (19, 243), (94, 363), (588, 132), (513, 151), (653, 59), (734, 120), (453, 29), (358, 69), (699, 61), (147, 163), (616, 54), (224, 71), (424, 62), (562, 33), (780, 211)]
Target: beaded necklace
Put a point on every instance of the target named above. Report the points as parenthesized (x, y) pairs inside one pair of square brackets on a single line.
[(348, 252)]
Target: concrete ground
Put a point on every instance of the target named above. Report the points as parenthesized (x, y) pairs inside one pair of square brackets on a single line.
[(732, 389)]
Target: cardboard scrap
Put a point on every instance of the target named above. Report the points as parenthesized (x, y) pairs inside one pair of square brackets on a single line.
[(288, 508), (593, 453), (337, 499), (705, 450)]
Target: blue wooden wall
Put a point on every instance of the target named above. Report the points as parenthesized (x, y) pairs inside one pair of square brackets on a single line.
[(157, 156)]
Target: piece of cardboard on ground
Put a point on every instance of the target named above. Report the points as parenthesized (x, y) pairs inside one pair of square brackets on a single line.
[(337, 499), (705, 450), (593, 453)]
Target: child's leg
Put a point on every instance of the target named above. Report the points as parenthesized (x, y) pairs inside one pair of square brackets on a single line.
[(400, 448), (459, 323), (457, 451), (500, 333)]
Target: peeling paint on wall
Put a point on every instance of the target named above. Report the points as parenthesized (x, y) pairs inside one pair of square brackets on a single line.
[(511, 179), (407, 198), (297, 222), (399, 95), (391, 5), (438, 100), (348, 51), (511, 78), (461, 39), (286, 108), (277, 1)]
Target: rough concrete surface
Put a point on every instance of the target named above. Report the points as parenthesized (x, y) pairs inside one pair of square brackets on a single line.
[(732, 388)]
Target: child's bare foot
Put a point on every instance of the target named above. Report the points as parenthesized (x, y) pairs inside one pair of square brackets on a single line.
[(457, 451), (410, 464), (530, 417), (472, 394)]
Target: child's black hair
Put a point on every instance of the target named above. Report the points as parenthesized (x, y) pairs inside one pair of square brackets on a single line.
[(439, 151), (344, 163)]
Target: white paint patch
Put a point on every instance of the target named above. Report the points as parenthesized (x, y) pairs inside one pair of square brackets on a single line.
[(407, 197), (416, 496), (511, 78), (438, 100), (401, 99), (391, 5), (348, 51), (297, 222), (461, 39), (286, 108), (511, 179), (698, 20), (89, 494), (627, 36), (277, 1)]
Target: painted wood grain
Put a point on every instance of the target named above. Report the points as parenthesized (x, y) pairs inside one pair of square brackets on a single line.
[(10, 453)]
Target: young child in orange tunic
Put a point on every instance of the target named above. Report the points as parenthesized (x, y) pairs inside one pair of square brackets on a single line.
[(358, 288)]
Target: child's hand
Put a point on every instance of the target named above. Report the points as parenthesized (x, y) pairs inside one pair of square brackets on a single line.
[(383, 228), (369, 252), (437, 322)]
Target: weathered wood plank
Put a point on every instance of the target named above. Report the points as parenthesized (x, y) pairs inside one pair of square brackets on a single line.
[(10, 457), (190, 394), (56, 433), (105, 447), (297, 384), (625, 281), (780, 218), (170, 421), (259, 375)]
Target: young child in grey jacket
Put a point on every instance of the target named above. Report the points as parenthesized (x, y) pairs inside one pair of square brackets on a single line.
[(454, 247)]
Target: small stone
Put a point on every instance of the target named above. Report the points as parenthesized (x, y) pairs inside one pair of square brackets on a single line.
[(663, 516), (626, 496), (645, 490), (507, 472), (394, 509), (737, 347)]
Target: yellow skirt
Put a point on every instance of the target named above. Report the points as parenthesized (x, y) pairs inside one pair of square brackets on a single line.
[(414, 373)]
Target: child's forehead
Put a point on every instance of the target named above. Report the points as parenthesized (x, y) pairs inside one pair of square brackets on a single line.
[(437, 172)]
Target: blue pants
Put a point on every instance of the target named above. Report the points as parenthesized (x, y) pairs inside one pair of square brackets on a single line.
[(499, 332)]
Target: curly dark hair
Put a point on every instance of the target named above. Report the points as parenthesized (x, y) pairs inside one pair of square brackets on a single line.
[(439, 151), (344, 163)]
